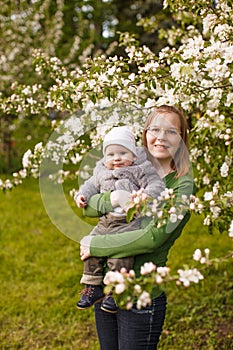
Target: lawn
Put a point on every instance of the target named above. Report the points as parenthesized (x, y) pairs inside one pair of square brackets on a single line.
[(40, 271)]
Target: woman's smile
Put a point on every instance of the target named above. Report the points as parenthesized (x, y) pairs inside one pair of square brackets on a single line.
[(160, 146)]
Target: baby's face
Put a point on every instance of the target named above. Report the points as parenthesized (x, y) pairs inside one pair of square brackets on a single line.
[(117, 156)]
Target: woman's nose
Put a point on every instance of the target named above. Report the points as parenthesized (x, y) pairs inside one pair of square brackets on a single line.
[(161, 134)]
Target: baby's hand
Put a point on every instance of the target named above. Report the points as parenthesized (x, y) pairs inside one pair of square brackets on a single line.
[(81, 201)]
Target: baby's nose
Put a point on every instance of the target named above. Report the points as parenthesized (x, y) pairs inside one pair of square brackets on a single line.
[(117, 156)]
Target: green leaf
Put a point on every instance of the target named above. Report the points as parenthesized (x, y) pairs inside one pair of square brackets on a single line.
[(130, 214)]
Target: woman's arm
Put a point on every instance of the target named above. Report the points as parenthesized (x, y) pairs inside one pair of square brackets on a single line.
[(147, 239), (136, 242), (98, 205), (104, 203)]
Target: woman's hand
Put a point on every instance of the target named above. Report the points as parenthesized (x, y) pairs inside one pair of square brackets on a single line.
[(85, 247), (121, 198)]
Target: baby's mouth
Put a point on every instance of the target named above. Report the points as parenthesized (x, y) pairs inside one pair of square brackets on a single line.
[(118, 165)]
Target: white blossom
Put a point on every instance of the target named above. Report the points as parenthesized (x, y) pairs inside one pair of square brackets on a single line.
[(113, 277), (173, 218), (203, 260), (163, 270), (207, 220), (207, 253), (230, 232), (149, 103), (148, 267), (158, 279), (143, 300), (137, 288), (132, 273), (129, 305), (216, 188), (26, 161), (120, 288), (224, 170), (23, 173), (190, 275), (197, 254), (215, 211), (76, 158), (208, 196)]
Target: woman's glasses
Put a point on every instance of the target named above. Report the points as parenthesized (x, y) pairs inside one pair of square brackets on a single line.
[(156, 131)]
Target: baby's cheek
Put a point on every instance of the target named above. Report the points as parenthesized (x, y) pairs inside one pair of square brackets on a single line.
[(127, 162), (109, 165)]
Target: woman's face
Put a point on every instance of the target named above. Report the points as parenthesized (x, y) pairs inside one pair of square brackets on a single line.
[(163, 137)]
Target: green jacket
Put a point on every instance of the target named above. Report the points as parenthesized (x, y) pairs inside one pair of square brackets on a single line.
[(148, 243)]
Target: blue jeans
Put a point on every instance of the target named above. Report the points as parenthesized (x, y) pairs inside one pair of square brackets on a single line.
[(131, 330)]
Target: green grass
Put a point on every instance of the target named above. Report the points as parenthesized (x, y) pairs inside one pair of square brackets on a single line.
[(40, 271)]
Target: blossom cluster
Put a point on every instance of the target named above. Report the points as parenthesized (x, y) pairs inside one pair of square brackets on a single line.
[(198, 256), (30, 167), (184, 75), (169, 207), (8, 184), (166, 208), (110, 77), (131, 290), (188, 276)]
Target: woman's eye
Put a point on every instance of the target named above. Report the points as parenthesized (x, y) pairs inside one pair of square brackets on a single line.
[(172, 131), (156, 130)]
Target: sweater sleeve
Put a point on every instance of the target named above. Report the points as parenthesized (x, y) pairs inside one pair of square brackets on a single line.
[(88, 189), (144, 240), (135, 242), (92, 185), (98, 205), (123, 244)]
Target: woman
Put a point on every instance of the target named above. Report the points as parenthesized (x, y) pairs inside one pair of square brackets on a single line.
[(165, 138)]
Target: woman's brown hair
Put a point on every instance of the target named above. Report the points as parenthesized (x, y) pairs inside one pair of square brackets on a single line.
[(180, 162)]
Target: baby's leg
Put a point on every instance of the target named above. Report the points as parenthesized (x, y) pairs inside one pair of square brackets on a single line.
[(93, 271), (115, 264), (92, 278)]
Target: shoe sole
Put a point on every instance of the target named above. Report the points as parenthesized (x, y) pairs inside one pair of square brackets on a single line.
[(109, 311), (85, 308)]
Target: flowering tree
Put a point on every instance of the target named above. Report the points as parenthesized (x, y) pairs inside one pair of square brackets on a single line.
[(194, 71), (70, 30)]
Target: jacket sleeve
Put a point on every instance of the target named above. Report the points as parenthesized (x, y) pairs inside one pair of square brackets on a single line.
[(88, 189), (144, 240), (151, 181), (91, 186), (149, 178)]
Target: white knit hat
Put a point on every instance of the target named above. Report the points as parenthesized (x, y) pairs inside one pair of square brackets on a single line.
[(120, 135)]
